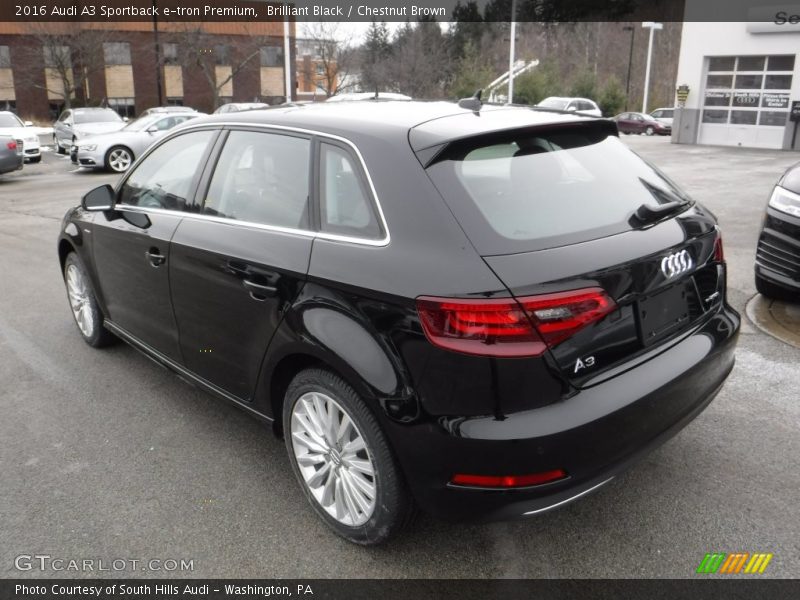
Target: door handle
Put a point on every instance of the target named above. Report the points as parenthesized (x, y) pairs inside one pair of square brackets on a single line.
[(155, 257), (260, 292)]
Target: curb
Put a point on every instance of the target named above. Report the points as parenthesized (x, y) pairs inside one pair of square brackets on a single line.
[(776, 318)]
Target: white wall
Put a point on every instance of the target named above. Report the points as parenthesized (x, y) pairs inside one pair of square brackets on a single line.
[(729, 39)]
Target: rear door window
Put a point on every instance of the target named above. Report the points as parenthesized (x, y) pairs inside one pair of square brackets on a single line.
[(262, 178), (534, 189)]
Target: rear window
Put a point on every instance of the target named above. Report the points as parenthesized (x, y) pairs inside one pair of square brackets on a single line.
[(534, 189), (97, 116)]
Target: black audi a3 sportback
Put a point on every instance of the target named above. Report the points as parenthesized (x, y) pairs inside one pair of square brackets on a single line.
[(482, 312)]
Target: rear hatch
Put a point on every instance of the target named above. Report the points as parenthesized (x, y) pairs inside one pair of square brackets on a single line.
[(609, 258)]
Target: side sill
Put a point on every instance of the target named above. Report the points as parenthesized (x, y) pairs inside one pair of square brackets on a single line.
[(182, 371)]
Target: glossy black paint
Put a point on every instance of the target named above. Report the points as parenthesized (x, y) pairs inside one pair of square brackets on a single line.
[(778, 250), (239, 309)]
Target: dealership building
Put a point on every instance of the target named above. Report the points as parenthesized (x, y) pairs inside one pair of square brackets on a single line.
[(742, 79)]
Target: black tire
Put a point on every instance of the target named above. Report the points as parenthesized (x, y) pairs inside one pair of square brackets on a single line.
[(114, 159), (59, 149), (772, 290), (98, 336), (393, 506), (649, 131)]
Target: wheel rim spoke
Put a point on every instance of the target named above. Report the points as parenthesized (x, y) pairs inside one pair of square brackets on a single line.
[(79, 300), (333, 459)]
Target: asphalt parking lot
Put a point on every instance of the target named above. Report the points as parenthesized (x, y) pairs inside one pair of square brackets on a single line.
[(103, 455)]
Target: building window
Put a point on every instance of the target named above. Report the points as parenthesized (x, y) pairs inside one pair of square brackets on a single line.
[(55, 108), (271, 56), (169, 54), (125, 107), (10, 105), (5, 58), (174, 101), (117, 53), (56, 57), (221, 55), (757, 88)]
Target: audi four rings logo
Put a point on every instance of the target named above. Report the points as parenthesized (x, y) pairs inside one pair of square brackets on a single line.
[(677, 263)]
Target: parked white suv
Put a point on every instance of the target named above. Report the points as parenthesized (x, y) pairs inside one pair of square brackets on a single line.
[(583, 106), (663, 115)]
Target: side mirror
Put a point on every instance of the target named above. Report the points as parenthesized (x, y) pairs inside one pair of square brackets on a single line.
[(100, 198), (125, 119), (152, 129), (28, 123), (572, 109)]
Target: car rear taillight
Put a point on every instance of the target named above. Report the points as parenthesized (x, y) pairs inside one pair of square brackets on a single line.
[(508, 481), (719, 254), (510, 327), (12, 145)]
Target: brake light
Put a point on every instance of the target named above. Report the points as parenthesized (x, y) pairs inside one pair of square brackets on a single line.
[(719, 254), (12, 145), (510, 327), (508, 481)]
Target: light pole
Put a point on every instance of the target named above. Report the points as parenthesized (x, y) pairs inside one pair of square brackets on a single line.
[(511, 49), (630, 62), (159, 89), (652, 26)]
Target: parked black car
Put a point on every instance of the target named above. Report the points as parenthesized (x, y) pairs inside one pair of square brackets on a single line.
[(778, 253), (484, 313), (11, 155)]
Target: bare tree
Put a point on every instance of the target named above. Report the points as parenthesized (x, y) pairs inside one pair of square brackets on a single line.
[(334, 58), (199, 49), (70, 57)]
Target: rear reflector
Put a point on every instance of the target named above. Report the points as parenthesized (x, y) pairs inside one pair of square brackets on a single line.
[(12, 145), (508, 481), (510, 327)]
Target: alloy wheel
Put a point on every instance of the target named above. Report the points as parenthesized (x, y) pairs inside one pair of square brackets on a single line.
[(333, 459), (80, 300), (119, 160)]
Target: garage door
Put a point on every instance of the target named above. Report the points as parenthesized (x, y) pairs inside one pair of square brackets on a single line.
[(746, 100)]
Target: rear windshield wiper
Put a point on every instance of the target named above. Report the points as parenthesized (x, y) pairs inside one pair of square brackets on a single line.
[(648, 214)]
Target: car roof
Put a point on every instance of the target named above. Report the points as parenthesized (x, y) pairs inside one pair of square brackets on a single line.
[(432, 122), (91, 108)]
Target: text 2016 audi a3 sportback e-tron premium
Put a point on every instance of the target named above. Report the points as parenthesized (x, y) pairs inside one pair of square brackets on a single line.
[(480, 312)]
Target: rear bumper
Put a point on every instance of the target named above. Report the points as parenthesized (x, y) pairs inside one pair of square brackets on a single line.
[(10, 162), (593, 435)]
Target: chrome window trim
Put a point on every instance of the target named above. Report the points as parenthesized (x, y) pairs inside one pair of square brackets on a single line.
[(384, 241)]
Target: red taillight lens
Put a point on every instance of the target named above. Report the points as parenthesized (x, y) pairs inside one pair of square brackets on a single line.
[(508, 327), (719, 254), (508, 481), (482, 327), (561, 315), (12, 145)]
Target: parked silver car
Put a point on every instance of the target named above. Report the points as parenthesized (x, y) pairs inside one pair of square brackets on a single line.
[(10, 154), (166, 109), (77, 123), (116, 151), (12, 125)]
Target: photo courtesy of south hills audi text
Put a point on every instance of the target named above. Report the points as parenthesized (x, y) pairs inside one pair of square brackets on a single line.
[(83, 591)]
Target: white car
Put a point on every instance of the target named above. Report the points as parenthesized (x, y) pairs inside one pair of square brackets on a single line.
[(11, 124), (582, 106), (77, 123), (663, 115), (117, 150)]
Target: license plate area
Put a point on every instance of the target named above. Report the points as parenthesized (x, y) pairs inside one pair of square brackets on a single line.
[(660, 315)]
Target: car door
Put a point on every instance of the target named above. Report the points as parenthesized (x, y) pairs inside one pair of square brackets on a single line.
[(131, 242), (236, 267), (63, 127)]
